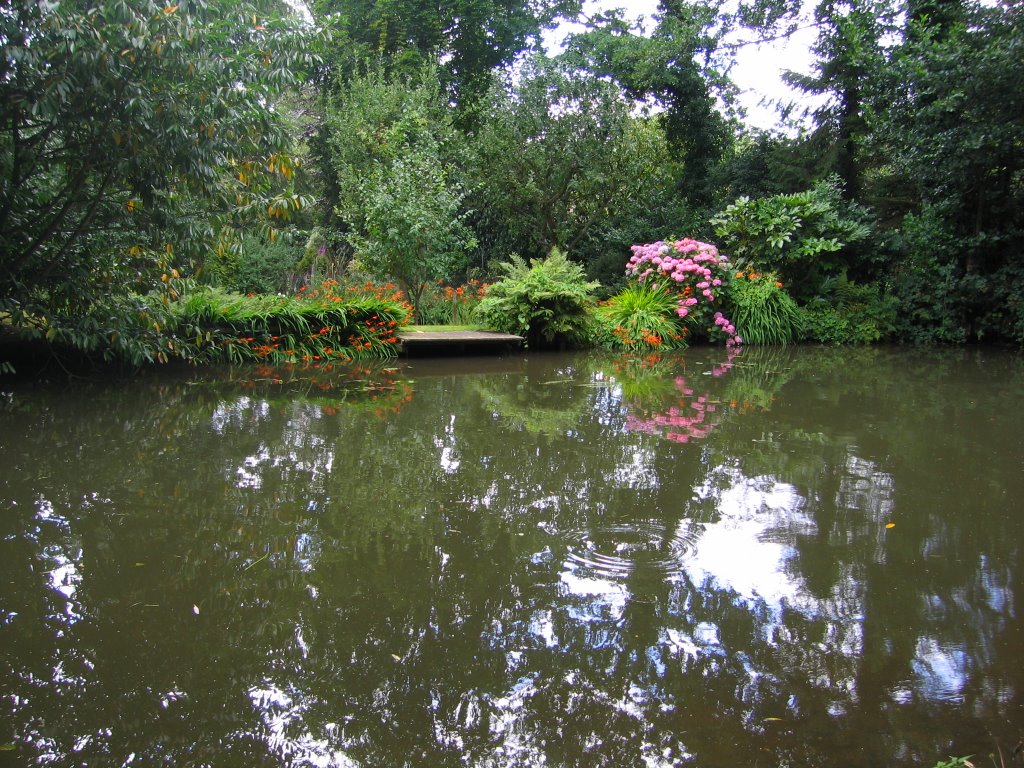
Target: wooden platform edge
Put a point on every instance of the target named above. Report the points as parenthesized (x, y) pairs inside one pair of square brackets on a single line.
[(423, 341)]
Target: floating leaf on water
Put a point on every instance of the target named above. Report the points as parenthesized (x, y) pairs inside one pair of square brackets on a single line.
[(7, 747), (773, 720), (137, 565), (890, 525), (396, 657), (250, 565), (195, 609)]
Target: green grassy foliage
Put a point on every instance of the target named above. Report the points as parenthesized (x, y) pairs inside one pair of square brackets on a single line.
[(642, 316), (320, 327), (762, 310)]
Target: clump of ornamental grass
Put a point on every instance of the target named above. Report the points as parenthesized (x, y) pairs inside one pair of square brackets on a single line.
[(762, 310), (443, 304), (642, 316)]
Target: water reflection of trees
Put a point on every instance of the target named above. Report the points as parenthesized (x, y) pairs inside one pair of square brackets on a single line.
[(398, 587)]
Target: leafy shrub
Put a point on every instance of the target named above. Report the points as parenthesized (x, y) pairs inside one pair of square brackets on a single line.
[(925, 282), (762, 310), (256, 266), (800, 236), (549, 302), (849, 313), (642, 316)]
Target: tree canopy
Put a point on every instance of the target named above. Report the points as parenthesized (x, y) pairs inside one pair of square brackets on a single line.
[(133, 134)]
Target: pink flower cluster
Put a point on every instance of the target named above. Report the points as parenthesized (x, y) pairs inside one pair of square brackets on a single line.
[(691, 265)]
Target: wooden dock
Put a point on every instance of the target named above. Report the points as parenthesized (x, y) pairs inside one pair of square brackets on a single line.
[(422, 343)]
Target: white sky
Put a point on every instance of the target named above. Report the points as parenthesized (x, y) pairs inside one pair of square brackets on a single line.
[(758, 68)]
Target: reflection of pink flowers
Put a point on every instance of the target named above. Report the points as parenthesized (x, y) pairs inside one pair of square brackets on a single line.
[(690, 417), (675, 423)]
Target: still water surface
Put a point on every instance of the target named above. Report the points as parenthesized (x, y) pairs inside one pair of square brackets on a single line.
[(794, 557)]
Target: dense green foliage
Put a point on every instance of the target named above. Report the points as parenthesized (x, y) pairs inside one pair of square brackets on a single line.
[(399, 194), (950, 120), (256, 265), (849, 313), (676, 66), (134, 138), (806, 237), (548, 301), (558, 163), (642, 316), (762, 310), (473, 39), (143, 143)]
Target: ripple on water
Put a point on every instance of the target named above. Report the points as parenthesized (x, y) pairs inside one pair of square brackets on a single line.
[(616, 550)]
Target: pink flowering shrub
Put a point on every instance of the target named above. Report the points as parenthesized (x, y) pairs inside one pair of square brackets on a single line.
[(695, 271)]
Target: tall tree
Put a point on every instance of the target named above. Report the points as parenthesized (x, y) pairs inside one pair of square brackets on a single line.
[(561, 162), (678, 68), (469, 38), (849, 54), (400, 193), (950, 121), (131, 135)]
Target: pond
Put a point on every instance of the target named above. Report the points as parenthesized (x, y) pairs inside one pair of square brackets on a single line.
[(784, 557)]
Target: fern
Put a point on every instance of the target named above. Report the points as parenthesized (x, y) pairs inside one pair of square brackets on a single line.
[(549, 302)]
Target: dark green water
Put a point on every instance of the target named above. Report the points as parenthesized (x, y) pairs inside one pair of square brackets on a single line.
[(790, 558)]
